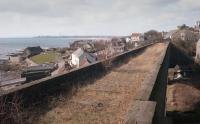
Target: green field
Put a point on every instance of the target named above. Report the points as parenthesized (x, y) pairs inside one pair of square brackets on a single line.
[(46, 58)]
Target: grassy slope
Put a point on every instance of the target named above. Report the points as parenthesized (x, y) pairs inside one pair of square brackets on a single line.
[(46, 58)]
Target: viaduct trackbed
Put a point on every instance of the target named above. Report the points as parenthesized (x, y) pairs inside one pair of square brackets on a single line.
[(108, 99)]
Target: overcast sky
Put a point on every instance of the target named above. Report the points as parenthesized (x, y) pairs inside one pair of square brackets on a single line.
[(19, 18)]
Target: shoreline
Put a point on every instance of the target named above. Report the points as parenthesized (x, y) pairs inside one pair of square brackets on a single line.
[(53, 42)]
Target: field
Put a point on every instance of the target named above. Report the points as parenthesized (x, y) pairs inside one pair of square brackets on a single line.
[(46, 58)]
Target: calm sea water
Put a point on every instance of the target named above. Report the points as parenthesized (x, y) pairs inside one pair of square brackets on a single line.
[(9, 45)]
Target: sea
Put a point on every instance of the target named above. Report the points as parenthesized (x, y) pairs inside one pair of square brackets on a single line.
[(12, 45)]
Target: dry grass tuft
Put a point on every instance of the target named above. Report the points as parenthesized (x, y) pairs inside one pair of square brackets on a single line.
[(11, 110)]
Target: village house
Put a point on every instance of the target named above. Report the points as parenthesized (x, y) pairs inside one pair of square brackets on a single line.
[(100, 45), (31, 51), (105, 53), (118, 48), (114, 47), (118, 45), (110, 51), (137, 37), (184, 34), (81, 58)]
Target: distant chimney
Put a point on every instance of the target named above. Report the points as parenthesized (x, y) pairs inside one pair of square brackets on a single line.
[(198, 24), (197, 58)]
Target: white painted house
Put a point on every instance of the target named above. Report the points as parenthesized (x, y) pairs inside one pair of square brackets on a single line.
[(128, 40), (80, 58)]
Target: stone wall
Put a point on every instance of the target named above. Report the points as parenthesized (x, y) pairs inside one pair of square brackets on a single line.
[(152, 95), (149, 104), (39, 89)]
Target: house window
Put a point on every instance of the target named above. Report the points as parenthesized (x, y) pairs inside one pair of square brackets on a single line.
[(182, 36)]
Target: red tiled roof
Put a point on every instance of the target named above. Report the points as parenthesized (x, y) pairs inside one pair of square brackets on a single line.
[(136, 34)]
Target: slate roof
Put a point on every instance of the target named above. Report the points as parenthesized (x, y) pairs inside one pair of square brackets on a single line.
[(89, 56), (37, 48), (79, 52), (30, 51), (136, 34)]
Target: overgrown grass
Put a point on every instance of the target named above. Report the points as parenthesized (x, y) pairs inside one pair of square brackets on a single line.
[(11, 110), (46, 58)]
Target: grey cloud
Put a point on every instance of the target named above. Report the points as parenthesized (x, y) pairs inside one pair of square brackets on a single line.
[(70, 7), (94, 16), (22, 6)]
